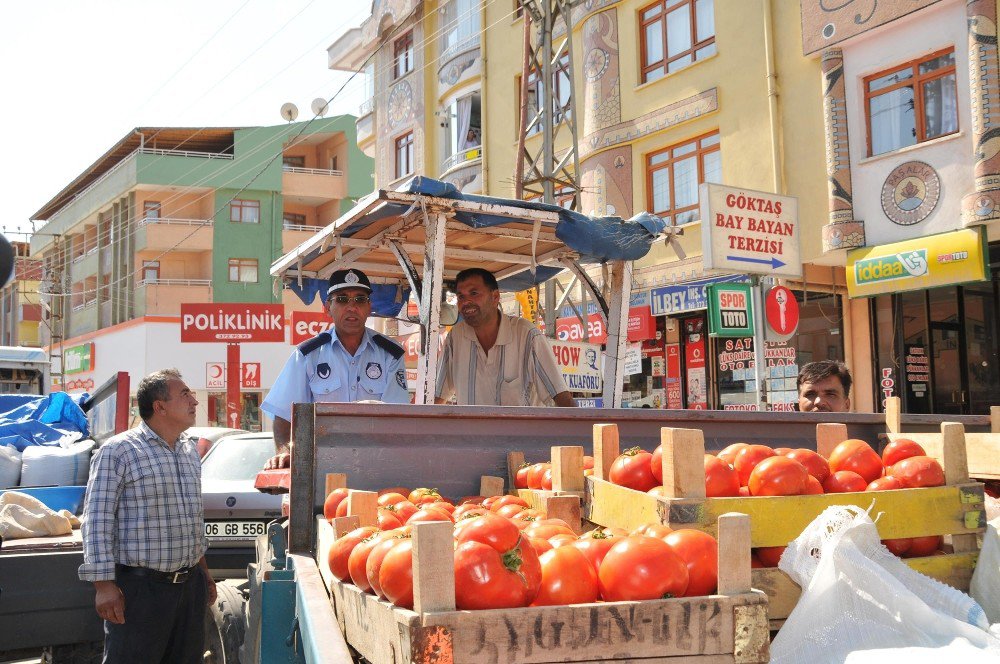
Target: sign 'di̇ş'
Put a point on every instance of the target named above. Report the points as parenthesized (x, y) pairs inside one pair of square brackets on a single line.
[(750, 232), (730, 310), (946, 259)]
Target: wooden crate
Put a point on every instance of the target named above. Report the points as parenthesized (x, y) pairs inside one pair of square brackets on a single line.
[(982, 450), (730, 627), (955, 510)]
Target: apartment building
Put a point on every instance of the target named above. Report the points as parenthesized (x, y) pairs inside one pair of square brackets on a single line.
[(176, 215), (20, 308)]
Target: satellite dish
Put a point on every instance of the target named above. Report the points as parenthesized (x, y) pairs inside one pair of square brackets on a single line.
[(289, 111), (319, 107)]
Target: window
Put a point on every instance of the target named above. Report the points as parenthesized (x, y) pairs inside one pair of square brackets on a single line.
[(151, 210), (911, 103), (292, 220), (333, 163), (561, 84), (673, 176), (151, 271), (243, 270), (293, 162), (459, 26), (464, 130), (246, 212), (404, 154), (403, 56), (675, 33)]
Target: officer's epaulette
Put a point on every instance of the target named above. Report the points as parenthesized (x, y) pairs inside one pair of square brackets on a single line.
[(309, 345), (388, 345)]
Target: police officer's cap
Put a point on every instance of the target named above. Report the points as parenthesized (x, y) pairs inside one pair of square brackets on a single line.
[(344, 279)]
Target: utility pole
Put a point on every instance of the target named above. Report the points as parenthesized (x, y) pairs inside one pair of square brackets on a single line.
[(540, 172), (56, 305)]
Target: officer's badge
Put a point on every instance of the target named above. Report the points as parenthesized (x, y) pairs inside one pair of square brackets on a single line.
[(351, 278), (401, 379), (323, 370), (374, 370)]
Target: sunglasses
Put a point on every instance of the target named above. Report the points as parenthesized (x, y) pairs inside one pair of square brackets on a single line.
[(347, 299)]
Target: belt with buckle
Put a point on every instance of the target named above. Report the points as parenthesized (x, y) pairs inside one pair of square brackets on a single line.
[(180, 576)]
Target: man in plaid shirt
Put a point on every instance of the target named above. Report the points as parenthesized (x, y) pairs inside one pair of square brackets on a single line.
[(144, 532)]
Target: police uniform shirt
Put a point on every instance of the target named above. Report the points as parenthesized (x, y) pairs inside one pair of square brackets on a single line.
[(321, 370)]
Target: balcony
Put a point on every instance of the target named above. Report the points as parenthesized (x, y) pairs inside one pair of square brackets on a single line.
[(84, 265), (313, 186), (365, 126), (463, 168), (83, 318), (164, 296), (292, 235), (170, 234)]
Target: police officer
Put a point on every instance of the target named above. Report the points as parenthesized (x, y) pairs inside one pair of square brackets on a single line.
[(354, 363)]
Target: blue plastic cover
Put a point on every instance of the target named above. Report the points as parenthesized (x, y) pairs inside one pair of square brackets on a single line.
[(31, 420), (387, 299)]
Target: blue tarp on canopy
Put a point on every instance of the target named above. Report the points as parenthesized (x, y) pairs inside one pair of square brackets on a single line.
[(32, 420)]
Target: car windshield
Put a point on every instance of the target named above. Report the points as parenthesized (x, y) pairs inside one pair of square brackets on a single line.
[(237, 458)]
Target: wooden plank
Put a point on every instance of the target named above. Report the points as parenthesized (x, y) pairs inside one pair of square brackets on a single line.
[(514, 462), (567, 468), (364, 505), (605, 448), (567, 508), (490, 486), (893, 409), (342, 525), (315, 614), (953, 458), (994, 419), (302, 496), (597, 632), (374, 627), (828, 436), (955, 569), (683, 462), (335, 481), (734, 554), (608, 504), (325, 538), (433, 567), (782, 593)]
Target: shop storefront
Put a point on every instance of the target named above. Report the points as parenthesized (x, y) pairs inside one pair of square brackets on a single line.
[(934, 312)]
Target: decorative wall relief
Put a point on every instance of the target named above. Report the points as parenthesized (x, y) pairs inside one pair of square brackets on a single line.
[(829, 22), (606, 183), (983, 204), (843, 231), (601, 82)]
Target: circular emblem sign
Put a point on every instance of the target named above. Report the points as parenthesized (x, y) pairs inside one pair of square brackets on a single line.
[(910, 193), (781, 311)]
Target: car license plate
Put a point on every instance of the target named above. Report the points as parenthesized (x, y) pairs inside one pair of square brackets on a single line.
[(234, 529)]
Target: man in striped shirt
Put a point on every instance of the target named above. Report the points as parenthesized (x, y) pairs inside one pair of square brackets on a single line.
[(493, 359), (144, 532)]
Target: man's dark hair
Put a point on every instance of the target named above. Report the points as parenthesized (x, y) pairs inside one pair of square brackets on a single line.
[(823, 369), (487, 276), (154, 387)]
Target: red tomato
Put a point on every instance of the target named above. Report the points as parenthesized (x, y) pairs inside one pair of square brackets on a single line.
[(404, 510), (659, 491), (387, 519), (489, 500), (755, 561), (857, 456), (471, 500), (508, 500), (886, 483), (782, 451), (596, 547), (924, 546), (539, 545), (340, 551), (547, 479), (747, 458), (374, 564), (744, 492), (424, 495), (656, 463), (769, 555), (813, 487), (632, 469), (778, 476), (844, 481), (561, 539), (700, 552), (642, 567), (391, 498), (468, 508), (402, 490), (521, 477), (336, 497), (729, 453), (546, 530), (511, 510), (342, 508), (657, 530), (720, 479), (918, 471), (603, 533), (567, 578), (495, 568), (535, 473), (357, 561), (396, 574), (814, 462), (440, 505), (588, 462), (898, 546), (429, 514), (524, 519), (899, 449)]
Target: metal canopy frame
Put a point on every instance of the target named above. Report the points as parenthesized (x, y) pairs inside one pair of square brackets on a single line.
[(418, 240)]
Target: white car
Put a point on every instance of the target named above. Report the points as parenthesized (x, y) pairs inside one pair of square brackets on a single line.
[(235, 512)]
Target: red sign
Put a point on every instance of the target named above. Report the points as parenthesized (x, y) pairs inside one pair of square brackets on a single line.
[(307, 324), (232, 322), (250, 375), (675, 397), (641, 324), (569, 329), (411, 347), (782, 311), (694, 356)]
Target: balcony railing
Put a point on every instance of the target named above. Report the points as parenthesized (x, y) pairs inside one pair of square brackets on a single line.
[(461, 157), (312, 171), (88, 303), (88, 249), (173, 221), (186, 153), (366, 107), (301, 227), (175, 282), (454, 44)]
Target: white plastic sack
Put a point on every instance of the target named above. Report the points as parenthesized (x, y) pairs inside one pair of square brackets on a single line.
[(985, 586), (10, 466), (44, 465), (858, 596)]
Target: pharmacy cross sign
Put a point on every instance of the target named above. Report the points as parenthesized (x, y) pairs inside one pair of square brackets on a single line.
[(749, 232)]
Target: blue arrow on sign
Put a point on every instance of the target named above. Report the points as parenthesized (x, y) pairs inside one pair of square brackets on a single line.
[(773, 262)]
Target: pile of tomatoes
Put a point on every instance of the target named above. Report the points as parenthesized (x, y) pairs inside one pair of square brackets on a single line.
[(539, 475), (747, 470), (508, 555)]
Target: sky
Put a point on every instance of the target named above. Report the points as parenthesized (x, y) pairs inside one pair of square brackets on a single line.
[(80, 74)]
